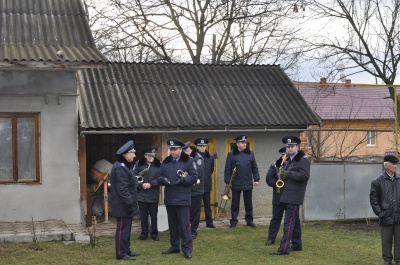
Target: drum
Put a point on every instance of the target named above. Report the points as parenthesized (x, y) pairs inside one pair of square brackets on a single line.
[(162, 218)]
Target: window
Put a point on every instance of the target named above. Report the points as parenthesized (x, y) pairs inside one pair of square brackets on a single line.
[(371, 138), (19, 148)]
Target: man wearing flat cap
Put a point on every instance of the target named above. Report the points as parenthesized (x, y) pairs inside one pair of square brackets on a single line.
[(244, 179), (295, 175), (146, 171), (122, 194), (178, 173), (197, 189), (277, 208), (384, 198), (201, 145)]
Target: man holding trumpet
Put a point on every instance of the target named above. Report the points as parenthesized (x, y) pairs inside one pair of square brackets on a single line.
[(146, 171), (295, 175)]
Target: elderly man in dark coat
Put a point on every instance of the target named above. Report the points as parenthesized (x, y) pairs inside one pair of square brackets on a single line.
[(295, 174), (178, 173), (122, 192), (245, 163), (385, 198)]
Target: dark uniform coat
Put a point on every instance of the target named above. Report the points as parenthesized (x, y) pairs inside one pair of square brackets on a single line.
[(198, 189), (122, 189), (385, 198), (294, 190), (150, 195), (208, 171), (272, 178), (246, 169), (178, 194)]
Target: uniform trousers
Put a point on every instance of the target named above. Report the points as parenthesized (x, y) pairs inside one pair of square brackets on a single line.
[(390, 234), (147, 209), (291, 229), (123, 237), (275, 223), (207, 208), (179, 227), (248, 205), (195, 210)]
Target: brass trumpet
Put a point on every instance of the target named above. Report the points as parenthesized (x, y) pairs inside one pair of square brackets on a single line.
[(279, 183)]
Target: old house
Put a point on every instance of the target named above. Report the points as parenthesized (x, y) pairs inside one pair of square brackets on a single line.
[(357, 121), (43, 43)]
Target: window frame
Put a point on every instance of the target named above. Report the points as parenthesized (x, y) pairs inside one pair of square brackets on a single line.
[(371, 138), (14, 134)]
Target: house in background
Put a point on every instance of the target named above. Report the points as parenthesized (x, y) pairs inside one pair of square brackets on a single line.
[(149, 103), (43, 43), (357, 122)]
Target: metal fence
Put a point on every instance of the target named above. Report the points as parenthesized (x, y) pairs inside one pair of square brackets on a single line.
[(339, 191)]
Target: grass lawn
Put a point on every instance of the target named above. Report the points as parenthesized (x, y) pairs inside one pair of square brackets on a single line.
[(323, 243)]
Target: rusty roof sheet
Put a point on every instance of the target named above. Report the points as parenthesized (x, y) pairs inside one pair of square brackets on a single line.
[(160, 96)]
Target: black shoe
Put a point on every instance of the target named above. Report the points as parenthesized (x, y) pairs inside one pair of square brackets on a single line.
[(127, 257), (194, 236), (188, 255), (269, 242), (211, 226), (296, 249), (142, 237), (233, 226), (133, 254), (155, 238), (277, 253), (251, 224), (170, 251)]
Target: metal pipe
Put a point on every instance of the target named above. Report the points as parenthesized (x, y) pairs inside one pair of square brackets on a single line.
[(225, 131)]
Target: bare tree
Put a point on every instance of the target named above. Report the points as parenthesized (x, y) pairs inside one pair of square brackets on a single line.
[(219, 31), (369, 39)]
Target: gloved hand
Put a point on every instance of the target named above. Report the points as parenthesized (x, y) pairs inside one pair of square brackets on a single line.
[(285, 174), (129, 210), (163, 181)]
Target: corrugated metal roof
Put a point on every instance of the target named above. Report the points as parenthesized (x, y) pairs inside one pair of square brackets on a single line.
[(348, 102), (35, 30), (133, 95)]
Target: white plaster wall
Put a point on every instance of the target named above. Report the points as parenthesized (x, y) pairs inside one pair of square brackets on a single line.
[(57, 196)]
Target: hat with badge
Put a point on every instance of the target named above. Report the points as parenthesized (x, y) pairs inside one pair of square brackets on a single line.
[(391, 159), (282, 150), (126, 148), (150, 150), (291, 140), (174, 143), (241, 138), (186, 145), (201, 141)]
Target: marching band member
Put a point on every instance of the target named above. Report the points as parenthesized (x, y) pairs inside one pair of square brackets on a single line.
[(178, 173), (146, 171)]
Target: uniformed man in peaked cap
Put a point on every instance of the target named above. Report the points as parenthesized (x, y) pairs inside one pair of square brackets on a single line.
[(178, 173), (295, 175), (122, 191), (384, 198), (197, 189), (146, 171), (244, 161), (201, 145), (277, 208)]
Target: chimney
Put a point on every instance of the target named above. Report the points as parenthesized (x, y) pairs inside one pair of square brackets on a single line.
[(348, 82), (322, 80)]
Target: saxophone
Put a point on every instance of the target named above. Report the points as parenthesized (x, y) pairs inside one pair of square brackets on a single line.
[(141, 173), (279, 182)]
